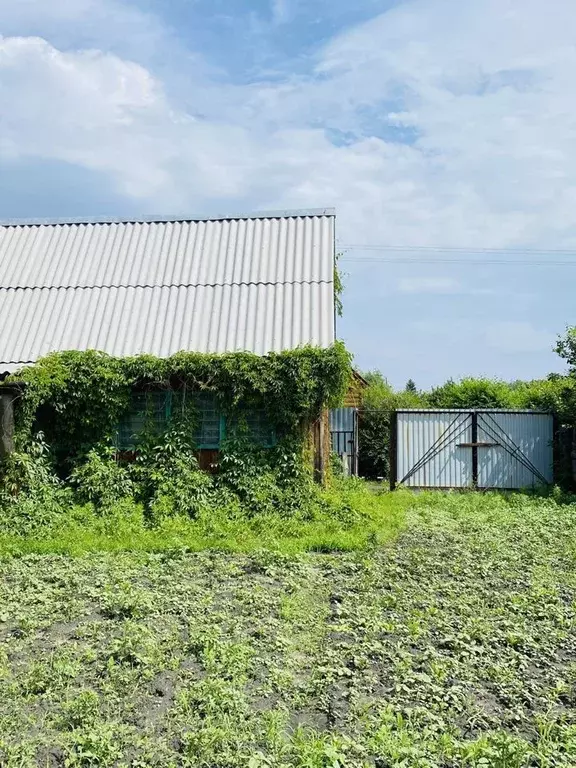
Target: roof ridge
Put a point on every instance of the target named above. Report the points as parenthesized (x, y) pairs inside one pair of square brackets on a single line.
[(163, 219)]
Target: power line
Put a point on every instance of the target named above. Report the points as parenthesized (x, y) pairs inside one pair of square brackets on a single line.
[(459, 262), (454, 249)]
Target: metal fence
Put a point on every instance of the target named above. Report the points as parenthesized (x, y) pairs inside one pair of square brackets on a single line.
[(344, 437), (472, 449)]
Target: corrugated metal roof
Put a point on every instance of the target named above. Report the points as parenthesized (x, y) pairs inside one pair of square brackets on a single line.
[(262, 283)]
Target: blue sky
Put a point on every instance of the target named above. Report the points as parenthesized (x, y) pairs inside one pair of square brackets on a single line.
[(426, 123)]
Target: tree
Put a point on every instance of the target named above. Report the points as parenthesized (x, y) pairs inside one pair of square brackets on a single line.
[(411, 387), (379, 403), (471, 393), (566, 348)]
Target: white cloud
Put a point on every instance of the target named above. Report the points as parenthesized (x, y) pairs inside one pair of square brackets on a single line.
[(483, 90), (485, 86), (441, 285), (89, 108)]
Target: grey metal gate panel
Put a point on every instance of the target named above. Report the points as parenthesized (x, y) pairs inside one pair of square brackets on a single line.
[(518, 452), (428, 449), (473, 448)]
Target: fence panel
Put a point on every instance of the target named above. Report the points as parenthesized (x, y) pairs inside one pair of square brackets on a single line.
[(473, 448)]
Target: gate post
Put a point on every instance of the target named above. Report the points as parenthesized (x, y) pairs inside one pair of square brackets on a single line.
[(474, 415)]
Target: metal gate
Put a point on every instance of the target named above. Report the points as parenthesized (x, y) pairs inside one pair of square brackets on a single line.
[(472, 449), (344, 437)]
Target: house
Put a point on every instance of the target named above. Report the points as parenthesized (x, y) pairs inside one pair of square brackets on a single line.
[(261, 283)]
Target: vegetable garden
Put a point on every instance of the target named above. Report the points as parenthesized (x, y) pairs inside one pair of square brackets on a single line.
[(451, 645)]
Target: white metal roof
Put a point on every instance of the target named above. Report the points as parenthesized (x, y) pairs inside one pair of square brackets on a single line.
[(258, 283)]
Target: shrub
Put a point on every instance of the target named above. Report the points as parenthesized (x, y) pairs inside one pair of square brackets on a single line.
[(379, 403), (101, 479), (471, 393), (32, 497)]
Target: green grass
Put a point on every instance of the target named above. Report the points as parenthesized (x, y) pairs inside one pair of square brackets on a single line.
[(451, 645), (355, 517)]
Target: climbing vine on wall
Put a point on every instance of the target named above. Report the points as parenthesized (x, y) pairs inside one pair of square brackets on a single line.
[(70, 404), (78, 398)]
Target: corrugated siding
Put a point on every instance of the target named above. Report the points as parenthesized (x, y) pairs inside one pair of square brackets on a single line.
[(162, 321), (450, 467), (531, 433), (255, 284), (281, 250), (521, 457)]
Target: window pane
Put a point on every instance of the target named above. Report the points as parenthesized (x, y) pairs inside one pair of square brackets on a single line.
[(147, 409), (207, 427), (255, 425)]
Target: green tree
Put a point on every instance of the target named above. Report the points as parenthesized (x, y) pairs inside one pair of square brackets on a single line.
[(379, 403), (411, 386), (566, 348), (472, 393)]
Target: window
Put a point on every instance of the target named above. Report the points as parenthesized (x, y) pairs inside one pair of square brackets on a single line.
[(147, 409), (156, 408), (255, 425), (209, 427)]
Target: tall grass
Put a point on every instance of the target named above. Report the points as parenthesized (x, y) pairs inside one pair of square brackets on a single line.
[(351, 517)]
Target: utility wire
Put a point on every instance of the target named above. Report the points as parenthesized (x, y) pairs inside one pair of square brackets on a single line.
[(384, 254), (453, 249), (460, 262)]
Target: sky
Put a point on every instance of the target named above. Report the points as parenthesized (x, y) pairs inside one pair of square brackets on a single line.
[(440, 130)]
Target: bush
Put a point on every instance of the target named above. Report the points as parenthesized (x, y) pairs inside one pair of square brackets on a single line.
[(472, 393), (379, 403), (101, 479), (32, 498), (167, 477)]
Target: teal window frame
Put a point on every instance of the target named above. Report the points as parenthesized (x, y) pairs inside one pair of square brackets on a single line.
[(210, 445), (127, 443), (271, 438)]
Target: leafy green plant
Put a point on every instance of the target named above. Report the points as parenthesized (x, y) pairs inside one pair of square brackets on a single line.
[(81, 711), (135, 647), (79, 399), (167, 475), (124, 601), (471, 393), (93, 746), (375, 424), (32, 497), (101, 479)]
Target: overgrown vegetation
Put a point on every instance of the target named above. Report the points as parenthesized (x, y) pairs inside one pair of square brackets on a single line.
[(452, 646), (379, 403), (347, 516), (67, 466)]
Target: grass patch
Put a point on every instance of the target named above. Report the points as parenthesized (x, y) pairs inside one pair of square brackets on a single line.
[(453, 645), (350, 517)]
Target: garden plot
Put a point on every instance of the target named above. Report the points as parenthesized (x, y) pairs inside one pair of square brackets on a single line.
[(455, 645)]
